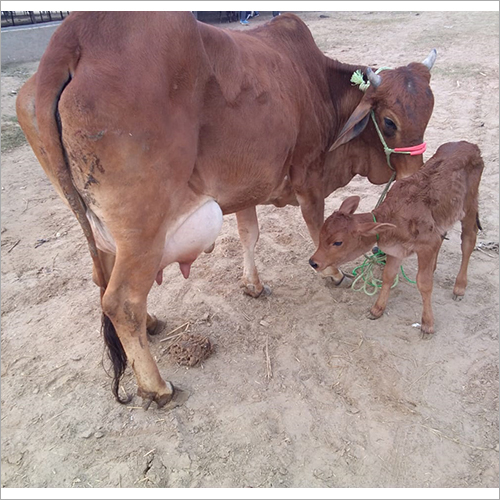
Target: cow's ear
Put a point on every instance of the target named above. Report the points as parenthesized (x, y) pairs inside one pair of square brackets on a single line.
[(373, 228), (355, 124), (349, 205)]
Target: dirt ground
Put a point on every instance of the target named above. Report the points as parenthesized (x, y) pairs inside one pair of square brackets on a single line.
[(302, 390)]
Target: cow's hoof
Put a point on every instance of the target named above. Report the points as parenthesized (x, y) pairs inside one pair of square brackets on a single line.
[(255, 291), (457, 298), (154, 325), (344, 282), (160, 400)]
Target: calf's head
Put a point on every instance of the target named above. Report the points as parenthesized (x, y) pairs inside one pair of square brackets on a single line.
[(345, 236), (402, 102)]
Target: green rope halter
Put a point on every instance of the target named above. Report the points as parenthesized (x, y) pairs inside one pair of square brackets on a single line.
[(375, 220), (357, 79)]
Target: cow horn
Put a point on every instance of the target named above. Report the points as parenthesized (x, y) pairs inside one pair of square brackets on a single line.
[(430, 59), (373, 78)]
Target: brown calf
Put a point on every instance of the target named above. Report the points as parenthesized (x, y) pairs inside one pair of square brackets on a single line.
[(414, 218)]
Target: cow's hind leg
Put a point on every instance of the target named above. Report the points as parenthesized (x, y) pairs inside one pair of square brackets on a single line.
[(124, 303), (248, 229), (153, 325), (469, 235)]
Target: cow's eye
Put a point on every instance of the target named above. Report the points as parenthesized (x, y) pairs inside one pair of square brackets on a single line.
[(390, 124), (336, 243)]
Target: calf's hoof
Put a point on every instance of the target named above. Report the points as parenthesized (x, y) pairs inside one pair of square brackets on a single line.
[(426, 336), (458, 297), (375, 313), (160, 399), (427, 331)]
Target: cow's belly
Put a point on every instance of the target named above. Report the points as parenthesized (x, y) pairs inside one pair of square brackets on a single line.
[(183, 244)]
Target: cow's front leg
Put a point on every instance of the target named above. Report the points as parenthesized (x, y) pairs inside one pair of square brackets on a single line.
[(313, 212), (248, 229), (124, 303), (153, 325)]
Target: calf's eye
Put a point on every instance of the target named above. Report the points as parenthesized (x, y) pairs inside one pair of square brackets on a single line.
[(336, 243)]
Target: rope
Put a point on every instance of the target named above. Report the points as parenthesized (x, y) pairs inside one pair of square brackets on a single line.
[(387, 186), (366, 274), (357, 79), (406, 277)]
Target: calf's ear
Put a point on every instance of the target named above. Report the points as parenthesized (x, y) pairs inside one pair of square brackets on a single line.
[(349, 205), (372, 228), (355, 124)]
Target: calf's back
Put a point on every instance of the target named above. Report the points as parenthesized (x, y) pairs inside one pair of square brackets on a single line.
[(437, 196)]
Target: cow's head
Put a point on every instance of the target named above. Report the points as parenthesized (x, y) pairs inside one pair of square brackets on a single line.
[(344, 237), (402, 102)]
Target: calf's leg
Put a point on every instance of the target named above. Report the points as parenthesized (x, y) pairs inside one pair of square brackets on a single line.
[(388, 277), (469, 235), (426, 265)]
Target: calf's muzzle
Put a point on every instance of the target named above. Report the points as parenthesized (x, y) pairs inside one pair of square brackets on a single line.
[(313, 264)]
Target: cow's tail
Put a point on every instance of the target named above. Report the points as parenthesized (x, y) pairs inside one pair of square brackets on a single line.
[(117, 356), (478, 222), (55, 72)]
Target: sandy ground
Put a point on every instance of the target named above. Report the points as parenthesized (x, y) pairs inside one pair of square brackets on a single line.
[(302, 389)]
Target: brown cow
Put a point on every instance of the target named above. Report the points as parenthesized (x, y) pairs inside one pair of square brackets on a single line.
[(413, 218), (151, 126)]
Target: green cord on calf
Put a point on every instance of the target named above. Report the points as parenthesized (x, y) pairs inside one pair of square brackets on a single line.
[(364, 273)]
